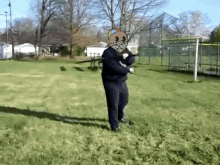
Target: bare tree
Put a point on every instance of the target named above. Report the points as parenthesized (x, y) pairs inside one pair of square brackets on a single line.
[(79, 13), (90, 30), (56, 32), (193, 23), (44, 10), (99, 35), (122, 13), (24, 28)]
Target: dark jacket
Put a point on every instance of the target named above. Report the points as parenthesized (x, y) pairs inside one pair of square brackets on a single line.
[(112, 70)]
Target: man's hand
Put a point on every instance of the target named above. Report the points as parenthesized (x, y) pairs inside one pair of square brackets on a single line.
[(125, 55), (131, 70), (125, 51)]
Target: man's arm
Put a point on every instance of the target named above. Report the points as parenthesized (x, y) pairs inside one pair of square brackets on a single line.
[(114, 64), (130, 59)]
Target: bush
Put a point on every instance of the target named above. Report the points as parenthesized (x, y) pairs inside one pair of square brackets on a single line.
[(19, 56), (63, 51), (67, 53), (79, 50)]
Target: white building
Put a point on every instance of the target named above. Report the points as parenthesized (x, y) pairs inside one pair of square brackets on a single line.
[(1, 49), (6, 49), (25, 48), (98, 50)]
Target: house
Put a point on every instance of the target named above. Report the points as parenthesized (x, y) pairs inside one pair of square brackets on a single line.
[(97, 50), (46, 48), (25, 48), (133, 47)]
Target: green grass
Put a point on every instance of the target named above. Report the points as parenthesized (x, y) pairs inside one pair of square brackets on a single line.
[(175, 60), (176, 122)]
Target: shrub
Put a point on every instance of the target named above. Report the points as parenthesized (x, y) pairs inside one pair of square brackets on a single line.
[(79, 50), (63, 50)]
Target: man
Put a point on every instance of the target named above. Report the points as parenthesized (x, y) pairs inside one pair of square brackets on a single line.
[(114, 76)]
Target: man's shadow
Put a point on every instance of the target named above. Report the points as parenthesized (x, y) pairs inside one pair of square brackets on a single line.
[(66, 119)]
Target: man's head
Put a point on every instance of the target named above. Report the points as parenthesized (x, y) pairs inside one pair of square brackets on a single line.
[(117, 40)]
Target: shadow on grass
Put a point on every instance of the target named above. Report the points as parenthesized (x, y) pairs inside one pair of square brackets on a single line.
[(78, 69), (94, 68), (65, 119), (62, 68)]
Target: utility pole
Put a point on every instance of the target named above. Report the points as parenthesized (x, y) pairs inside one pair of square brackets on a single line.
[(12, 40), (7, 34), (6, 27)]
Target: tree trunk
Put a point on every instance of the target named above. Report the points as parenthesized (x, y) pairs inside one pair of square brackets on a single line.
[(112, 15), (71, 28), (39, 48), (72, 42)]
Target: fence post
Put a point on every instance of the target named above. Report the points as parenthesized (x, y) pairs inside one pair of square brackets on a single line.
[(218, 58), (169, 55), (161, 53), (99, 61), (210, 57), (188, 54), (196, 58), (91, 57)]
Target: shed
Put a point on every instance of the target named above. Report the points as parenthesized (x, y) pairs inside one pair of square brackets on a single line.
[(1, 50), (5, 50)]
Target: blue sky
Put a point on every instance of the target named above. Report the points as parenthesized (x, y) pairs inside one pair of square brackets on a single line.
[(20, 8)]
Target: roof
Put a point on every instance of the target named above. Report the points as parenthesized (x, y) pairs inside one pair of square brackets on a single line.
[(102, 44), (26, 45)]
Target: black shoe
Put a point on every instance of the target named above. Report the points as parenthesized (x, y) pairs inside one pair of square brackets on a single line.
[(116, 129), (123, 120), (126, 121)]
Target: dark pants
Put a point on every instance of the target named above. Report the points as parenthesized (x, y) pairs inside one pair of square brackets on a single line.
[(117, 99)]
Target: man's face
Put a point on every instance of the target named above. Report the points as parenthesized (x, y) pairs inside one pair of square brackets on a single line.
[(118, 41)]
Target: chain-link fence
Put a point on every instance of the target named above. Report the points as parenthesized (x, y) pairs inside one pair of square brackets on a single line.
[(180, 54)]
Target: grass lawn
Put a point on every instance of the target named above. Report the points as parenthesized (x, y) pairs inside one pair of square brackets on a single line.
[(57, 114)]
